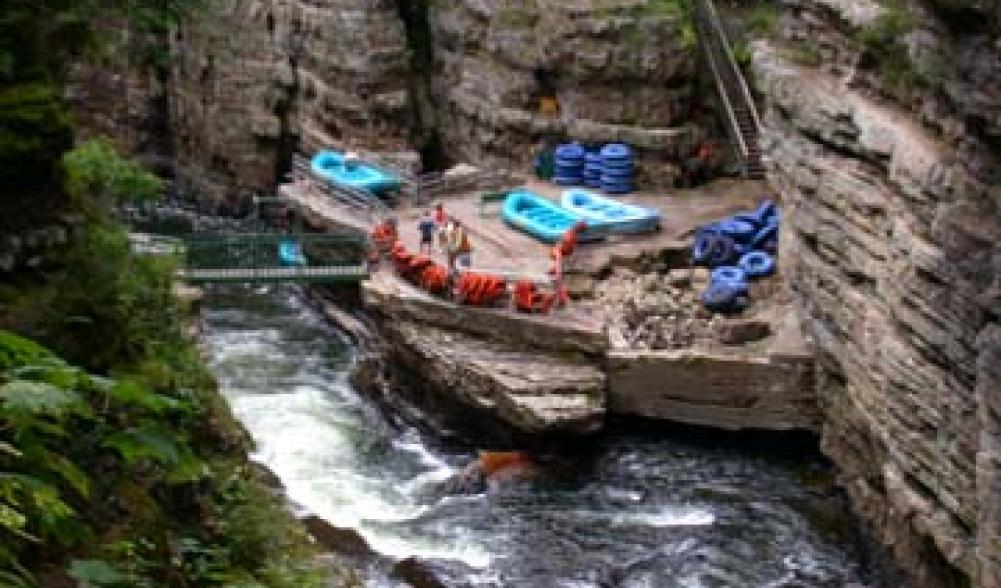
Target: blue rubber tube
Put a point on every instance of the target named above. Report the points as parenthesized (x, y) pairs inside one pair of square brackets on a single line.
[(757, 263), (570, 151), (616, 150), (724, 298), (768, 233), (765, 212), (749, 218), (728, 274), (739, 230)]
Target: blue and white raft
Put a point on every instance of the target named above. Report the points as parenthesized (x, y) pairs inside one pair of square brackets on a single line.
[(610, 215), (538, 216), (330, 165)]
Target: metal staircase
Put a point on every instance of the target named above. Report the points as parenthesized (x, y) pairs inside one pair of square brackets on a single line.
[(739, 112)]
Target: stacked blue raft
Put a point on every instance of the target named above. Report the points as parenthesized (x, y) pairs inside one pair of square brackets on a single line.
[(738, 248)]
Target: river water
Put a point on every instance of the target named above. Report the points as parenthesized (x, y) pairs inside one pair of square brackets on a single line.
[(645, 508)]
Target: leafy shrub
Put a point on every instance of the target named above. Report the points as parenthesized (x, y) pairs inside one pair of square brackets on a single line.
[(884, 41), (95, 174), (35, 128), (75, 441)]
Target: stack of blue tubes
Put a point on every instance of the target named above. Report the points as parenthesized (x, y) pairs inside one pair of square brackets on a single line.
[(592, 169), (616, 168), (568, 165), (740, 248)]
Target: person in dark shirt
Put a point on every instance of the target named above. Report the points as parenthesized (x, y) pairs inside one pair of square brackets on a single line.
[(428, 227)]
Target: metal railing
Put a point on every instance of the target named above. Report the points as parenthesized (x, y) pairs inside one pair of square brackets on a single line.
[(740, 113)]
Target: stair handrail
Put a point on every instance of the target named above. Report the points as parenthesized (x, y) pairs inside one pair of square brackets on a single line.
[(731, 62), (724, 94)]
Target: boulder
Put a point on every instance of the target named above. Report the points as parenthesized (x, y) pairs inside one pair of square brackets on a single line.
[(338, 539)]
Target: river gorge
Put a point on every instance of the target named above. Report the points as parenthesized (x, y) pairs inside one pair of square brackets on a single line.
[(640, 505), (880, 135)]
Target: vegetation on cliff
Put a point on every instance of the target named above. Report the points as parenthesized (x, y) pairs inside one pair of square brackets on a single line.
[(120, 464)]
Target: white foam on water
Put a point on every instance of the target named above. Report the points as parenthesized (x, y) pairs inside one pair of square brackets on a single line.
[(666, 516), (314, 451)]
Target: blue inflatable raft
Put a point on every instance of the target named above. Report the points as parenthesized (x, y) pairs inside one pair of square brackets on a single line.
[(609, 214), (290, 252), (538, 216), (330, 166)]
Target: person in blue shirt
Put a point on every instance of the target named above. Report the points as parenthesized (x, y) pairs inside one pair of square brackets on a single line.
[(428, 227)]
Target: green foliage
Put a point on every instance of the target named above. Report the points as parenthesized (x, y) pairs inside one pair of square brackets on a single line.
[(741, 54), (762, 19), (103, 294), (97, 573), (17, 351), (884, 40), (35, 128), (885, 33), (94, 172), (72, 440)]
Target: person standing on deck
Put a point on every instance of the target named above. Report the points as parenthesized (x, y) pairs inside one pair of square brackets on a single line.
[(428, 228), (441, 221), (560, 252), (458, 246)]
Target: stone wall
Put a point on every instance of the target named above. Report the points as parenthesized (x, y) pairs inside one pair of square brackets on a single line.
[(890, 242)]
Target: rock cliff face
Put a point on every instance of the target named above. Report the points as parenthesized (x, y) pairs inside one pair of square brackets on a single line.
[(257, 80), (250, 83), (892, 223), (620, 69)]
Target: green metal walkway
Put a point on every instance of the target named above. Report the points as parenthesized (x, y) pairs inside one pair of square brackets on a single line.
[(254, 258)]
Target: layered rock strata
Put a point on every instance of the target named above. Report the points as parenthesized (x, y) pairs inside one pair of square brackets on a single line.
[(890, 244), (529, 375)]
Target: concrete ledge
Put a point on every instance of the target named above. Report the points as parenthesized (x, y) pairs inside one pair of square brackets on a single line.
[(715, 389), (563, 332)]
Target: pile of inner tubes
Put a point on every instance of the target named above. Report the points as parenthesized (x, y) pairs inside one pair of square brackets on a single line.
[(616, 168), (568, 164), (738, 248), (592, 169)]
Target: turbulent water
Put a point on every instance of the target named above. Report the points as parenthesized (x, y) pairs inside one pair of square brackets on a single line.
[(651, 508)]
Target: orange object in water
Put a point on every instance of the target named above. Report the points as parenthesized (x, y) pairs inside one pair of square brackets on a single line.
[(493, 461)]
